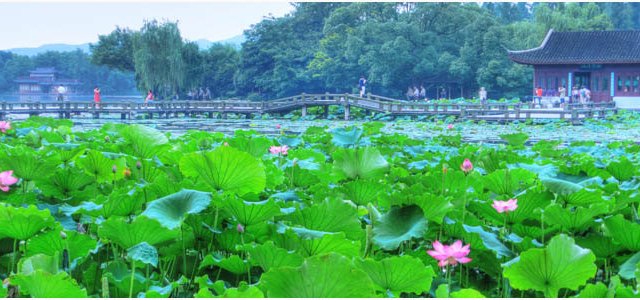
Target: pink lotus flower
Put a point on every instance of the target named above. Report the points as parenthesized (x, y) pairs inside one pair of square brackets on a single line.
[(278, 126), (505, 206), (450, 255), (450, 126), (7, 179), (240, 228), (4, 126), (466, 166), (276, 150)]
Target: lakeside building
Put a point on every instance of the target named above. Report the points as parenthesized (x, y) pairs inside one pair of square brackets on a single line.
[(42, 83), (606, 62)]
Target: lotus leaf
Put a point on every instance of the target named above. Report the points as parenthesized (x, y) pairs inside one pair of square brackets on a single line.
[(226, 169), (561, 264), (398, 225), (359, 163), (390, 274), (22, 223), (171, 210), (324, 276)]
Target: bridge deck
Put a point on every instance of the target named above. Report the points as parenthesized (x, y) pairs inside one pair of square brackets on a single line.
[(394, 107)]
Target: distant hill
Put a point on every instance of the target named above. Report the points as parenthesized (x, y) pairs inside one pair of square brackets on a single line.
[(235, 41), (49, 47)]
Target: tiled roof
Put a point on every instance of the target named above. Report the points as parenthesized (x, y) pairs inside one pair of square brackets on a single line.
[(583, 47)]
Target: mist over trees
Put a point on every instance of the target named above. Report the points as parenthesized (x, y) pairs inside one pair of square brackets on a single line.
[(325, 47)]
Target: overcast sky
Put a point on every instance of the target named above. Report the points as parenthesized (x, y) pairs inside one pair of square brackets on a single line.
[(35, 24)]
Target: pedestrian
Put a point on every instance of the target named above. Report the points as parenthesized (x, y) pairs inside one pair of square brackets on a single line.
[(562, 92), (575, 95), (538, 96), (443, 94), (409, 93), (416, 93), (148, 98), (482, 94), (96, 97), (587, 95), (207, 94), (362, 84), (61, 91), (583, 94), (201, 94), (423, 93)]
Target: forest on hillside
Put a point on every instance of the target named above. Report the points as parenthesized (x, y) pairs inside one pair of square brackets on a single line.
[(325, 47)]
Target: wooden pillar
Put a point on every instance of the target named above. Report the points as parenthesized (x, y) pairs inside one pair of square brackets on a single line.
[(304, 110), (326, 111)]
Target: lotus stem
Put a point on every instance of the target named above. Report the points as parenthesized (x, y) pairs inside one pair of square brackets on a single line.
[(13, 257), (105, 287), (184, 252), (448, 282), (133, 273), (464, 203)]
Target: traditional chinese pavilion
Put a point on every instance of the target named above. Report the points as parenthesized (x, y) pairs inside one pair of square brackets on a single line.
[(43, 82), (606, 62)]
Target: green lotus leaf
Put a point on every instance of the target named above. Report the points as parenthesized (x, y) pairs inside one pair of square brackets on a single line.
[(542, 170), (143, 253), (233, 263), (585, 197), (66, 152), (307, 159), (629, 267), (159, 291), (361, 191), (269, 256), (250, 213), (47, 263), (123, 202), (226, 169), (515, 139), (171, 210), (359, 163), (507, 182), (623, 169), (442, 291), (119, 276), (22, 223), (41, 284), (243, 291), (142, 229), (142, 141), (50, 243), (602, 246), (624, 232), (329, 216), (328, 243), (598, 290), (63, 183), (559, 186), (433, 206), (324, 276), (96, 165), (344, 137), (560, 265), (576, 219), (254, 145), (26, 163), (390, 274), (467, 293), (398, 225), (489, 240)]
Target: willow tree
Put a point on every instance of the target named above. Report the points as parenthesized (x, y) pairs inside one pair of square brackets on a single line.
[(158, 60)]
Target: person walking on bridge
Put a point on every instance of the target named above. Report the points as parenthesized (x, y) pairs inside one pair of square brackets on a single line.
[(61, 91), (148, 98), (483, 97), (96, 97), (362, 84)]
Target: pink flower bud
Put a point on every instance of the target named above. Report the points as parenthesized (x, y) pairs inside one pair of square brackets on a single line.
[(466, 166), (240, 228)]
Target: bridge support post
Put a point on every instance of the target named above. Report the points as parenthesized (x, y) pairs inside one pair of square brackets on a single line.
[(210, 115), (304, 110), (123, 116), (347, 112), (326, 111)]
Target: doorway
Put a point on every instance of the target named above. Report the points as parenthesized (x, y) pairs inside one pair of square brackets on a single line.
[(582, 79)]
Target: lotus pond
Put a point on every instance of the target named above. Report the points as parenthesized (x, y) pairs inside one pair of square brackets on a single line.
[(126, 210)]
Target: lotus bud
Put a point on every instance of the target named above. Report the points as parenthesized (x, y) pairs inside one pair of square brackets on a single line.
[(466, 166), (114, 169), (63, 235), (226, 144), (107, 138), (295, 161), (138, 165), (278, 126), (445, 169), (127, 172), (240, 228)]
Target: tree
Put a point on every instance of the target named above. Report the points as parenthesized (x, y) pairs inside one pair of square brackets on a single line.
[(220, 70), (115, 50), (158, 60)]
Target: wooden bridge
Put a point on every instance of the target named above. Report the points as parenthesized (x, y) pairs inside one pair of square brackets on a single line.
[(373, 103)]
